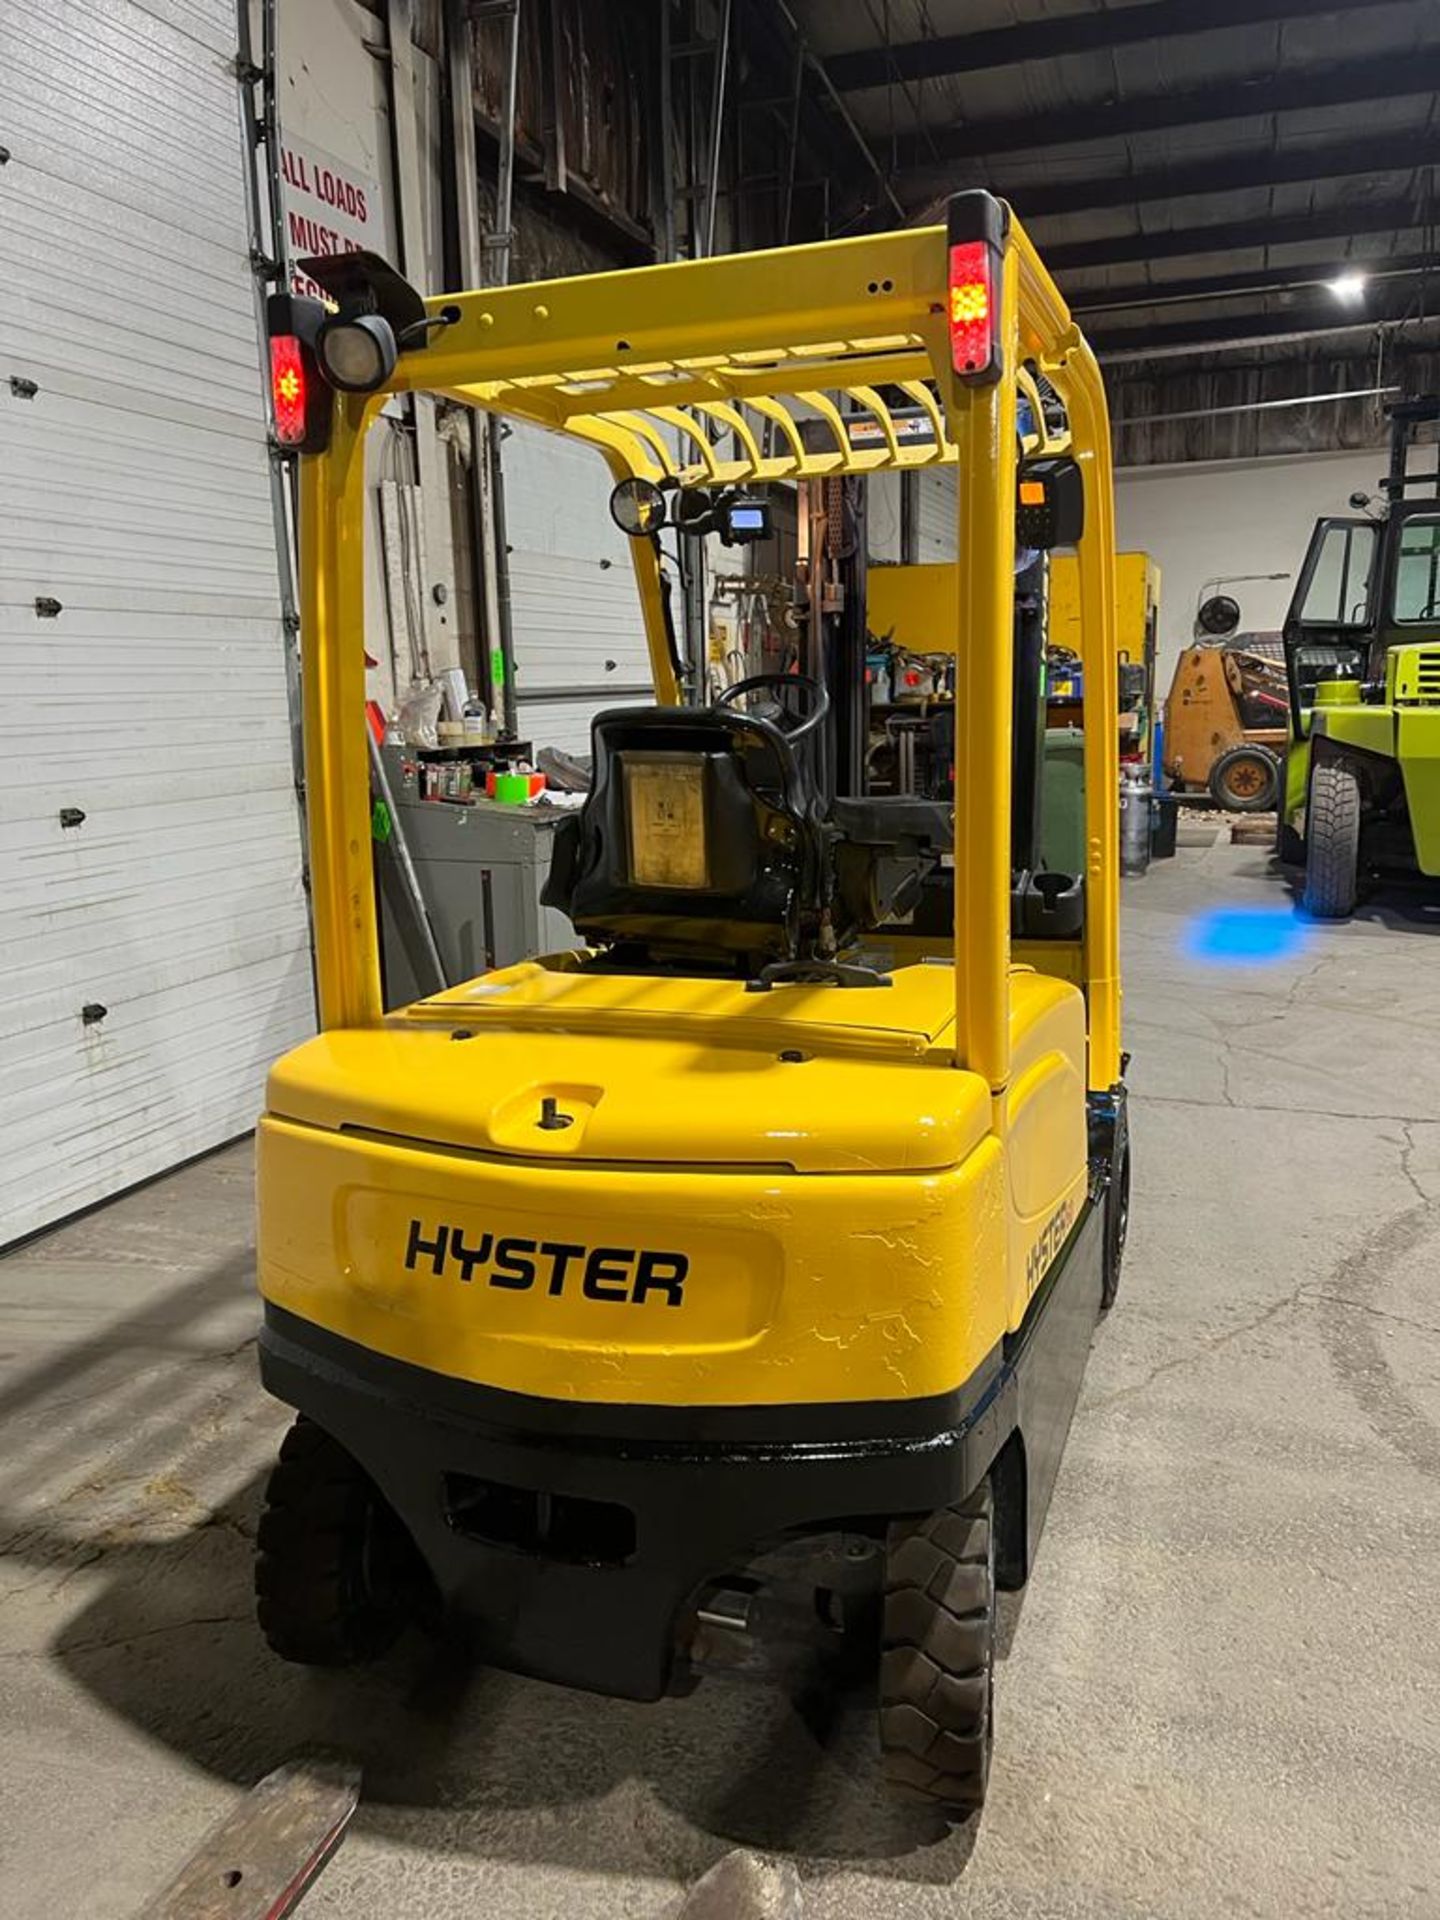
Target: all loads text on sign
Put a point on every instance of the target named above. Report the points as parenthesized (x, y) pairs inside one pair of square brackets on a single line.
[(329, 208)]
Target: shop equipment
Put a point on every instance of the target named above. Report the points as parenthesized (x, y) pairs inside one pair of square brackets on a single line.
[(480, 868), (1137, 620)]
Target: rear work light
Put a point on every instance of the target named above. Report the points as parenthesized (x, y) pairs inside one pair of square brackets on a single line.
[(287, 389), (975, 233)]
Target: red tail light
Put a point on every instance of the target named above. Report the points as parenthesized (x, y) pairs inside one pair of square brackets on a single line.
[(972, 307), (287, 389)]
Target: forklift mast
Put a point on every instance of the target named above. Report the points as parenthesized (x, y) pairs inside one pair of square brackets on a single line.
[(1406, 416)]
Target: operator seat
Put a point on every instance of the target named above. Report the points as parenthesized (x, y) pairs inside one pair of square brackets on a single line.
[(700, 833)]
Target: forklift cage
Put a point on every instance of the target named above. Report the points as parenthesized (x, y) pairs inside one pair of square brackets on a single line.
[(720, 352)]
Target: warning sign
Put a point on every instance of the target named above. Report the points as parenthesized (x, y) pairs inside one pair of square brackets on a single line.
[(329, 208)]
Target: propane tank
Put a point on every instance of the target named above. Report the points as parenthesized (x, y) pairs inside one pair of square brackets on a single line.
[(1135, 797)]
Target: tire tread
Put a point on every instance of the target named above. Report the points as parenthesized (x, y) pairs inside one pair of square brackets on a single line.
[(316, 1499), (936, 1655), (1332, 841)]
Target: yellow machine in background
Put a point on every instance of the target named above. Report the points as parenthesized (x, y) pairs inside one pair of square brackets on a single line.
[(914, 606), (1137, 618), (911, 606), (762, 1240)]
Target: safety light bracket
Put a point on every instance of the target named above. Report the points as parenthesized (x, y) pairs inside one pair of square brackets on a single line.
[(365, 282)]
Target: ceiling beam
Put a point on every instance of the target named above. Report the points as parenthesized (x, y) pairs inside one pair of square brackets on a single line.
[(1228, 173), (1330, 223), (1381, 78), (1091, 308), (1237, 332), (1052, 38), (834, 137)]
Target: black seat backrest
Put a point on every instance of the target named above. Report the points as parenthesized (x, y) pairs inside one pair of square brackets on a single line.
[(697, 834)]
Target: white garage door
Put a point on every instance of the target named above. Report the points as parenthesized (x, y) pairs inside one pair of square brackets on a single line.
[(938, 535), (576, 614), (154, 940)]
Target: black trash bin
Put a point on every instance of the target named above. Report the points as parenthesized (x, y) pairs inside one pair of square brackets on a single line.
[(1164, 822)]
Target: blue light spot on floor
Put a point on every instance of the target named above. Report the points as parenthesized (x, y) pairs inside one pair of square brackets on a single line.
[(1245, 936)]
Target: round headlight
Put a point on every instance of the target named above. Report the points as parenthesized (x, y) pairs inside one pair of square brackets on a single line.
[(637, 507), (356, 354)]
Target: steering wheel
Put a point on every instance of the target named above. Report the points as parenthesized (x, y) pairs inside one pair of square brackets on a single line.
[(780, 684)]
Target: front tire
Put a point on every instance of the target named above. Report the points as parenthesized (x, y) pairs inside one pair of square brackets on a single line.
[(337, 1576), (937, 1656), (1332, 841)]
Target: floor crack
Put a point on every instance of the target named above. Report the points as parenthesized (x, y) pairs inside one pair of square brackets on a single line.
[(128, 1639), (1202, 1352), (1254, 1106), (1380, 1313), (1407, 1154)]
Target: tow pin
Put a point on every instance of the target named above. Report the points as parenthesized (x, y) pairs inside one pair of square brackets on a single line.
[(551, 1118)]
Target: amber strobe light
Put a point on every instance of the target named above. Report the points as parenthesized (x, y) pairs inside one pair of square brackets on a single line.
[(972, 307), (287, 388)]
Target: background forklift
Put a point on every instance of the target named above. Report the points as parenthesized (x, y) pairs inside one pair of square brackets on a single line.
[(1362, 651), (756, 1249)]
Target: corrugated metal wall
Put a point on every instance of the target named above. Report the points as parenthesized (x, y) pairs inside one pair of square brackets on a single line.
[(134, 492), (576, 613), (936, 516)]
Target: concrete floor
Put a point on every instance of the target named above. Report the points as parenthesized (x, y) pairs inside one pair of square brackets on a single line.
[(1222, 1695)]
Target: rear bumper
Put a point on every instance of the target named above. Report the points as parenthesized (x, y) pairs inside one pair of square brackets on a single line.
[(637, 1506)]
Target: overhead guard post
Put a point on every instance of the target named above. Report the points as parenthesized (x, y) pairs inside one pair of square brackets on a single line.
[(337, 768), (983, 426)]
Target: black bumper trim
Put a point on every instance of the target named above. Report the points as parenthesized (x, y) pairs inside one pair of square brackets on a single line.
[(630, 1431), (704, 1501)]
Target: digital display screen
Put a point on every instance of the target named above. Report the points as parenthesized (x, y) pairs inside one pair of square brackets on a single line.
[(747, 519)]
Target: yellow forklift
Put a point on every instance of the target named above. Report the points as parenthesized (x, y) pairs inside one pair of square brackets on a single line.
[(760, 1242)]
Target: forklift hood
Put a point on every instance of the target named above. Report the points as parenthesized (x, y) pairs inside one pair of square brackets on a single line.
[(548, 1064)]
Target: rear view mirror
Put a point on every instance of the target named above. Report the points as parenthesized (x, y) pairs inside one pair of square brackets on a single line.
[(1050, 504), (641, 508), (637, 507)]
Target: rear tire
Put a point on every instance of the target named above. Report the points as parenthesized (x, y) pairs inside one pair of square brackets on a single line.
[(337, 1577), (1332, 841), (1245, 780), (1117, 1224), (937, 1656)]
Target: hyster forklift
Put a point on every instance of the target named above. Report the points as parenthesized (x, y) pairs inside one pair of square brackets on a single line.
[(763, 1239), (1362, 656)]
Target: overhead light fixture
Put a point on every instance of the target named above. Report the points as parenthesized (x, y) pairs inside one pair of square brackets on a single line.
[(1348, 286)]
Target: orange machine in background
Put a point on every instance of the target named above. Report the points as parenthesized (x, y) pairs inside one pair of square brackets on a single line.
[(1225, 720)]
